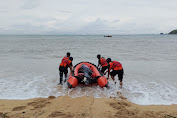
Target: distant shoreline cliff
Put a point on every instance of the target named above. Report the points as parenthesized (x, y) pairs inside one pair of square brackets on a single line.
[(173, 32)]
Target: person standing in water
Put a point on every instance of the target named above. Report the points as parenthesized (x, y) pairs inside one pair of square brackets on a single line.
[(116, 69), (68, 54), (102, 63), (63, 68)]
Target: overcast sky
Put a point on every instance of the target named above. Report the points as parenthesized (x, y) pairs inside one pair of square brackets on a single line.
[(87, 16)]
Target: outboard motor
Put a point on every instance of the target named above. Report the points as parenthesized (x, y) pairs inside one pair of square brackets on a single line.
[(87, 73), (86, 81)]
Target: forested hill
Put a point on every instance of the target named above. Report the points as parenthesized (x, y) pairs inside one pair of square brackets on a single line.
[(173, 32)]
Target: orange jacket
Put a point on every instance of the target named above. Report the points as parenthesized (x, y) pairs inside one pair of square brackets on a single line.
[(65, 62), (103, 62), (115, 65), (65, 59)]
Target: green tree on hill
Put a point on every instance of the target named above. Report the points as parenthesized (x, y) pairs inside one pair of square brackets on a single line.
[(173, 32)]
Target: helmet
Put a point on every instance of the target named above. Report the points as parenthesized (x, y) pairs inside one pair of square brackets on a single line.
[(68, 54), (98, 56), (108, 60), (71, 58)]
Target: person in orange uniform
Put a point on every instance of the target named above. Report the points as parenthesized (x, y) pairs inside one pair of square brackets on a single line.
[(63, 68), (116, 69), (102, 63), (65, 58)]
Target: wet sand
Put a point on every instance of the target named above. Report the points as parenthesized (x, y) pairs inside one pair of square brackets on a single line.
[(82, 107)]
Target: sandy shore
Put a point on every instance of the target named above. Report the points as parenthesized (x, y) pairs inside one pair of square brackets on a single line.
[(82, 107)]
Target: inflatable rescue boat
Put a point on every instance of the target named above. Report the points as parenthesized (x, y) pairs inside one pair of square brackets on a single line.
[(86, 73)]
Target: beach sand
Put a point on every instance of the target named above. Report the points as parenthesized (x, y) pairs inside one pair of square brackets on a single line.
[(82, 107)]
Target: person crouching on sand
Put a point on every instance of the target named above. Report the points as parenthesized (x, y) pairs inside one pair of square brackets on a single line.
[(116, 69)]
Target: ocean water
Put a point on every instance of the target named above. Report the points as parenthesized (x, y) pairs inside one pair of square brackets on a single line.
[(29, 66)]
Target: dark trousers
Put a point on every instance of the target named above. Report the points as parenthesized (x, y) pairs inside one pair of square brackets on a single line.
[(119, 72), (103, 69), (61, 71)]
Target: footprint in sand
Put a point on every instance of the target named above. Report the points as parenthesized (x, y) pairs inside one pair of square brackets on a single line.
[(61, 114), (19, 108), (169, 116), (51, 97), (125, 104), (39, 103), (119, 105), (42, 105), (57, 113), (32, 104)]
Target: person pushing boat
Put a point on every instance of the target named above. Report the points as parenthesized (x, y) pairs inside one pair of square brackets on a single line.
[(63, 67), (102, 63), (116, 68)]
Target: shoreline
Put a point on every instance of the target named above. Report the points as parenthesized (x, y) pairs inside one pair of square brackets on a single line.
[(86, 106)]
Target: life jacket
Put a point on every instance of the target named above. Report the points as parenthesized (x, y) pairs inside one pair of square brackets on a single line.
[(115, 65), (69, 62), (103, 62), (65, 62), (64, 59)]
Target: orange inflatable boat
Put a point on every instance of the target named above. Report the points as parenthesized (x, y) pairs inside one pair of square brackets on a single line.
[(86, 73)]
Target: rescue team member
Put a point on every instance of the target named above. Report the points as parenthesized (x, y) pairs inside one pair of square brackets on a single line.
[(63, 68), (116, 69), (67, 56), (102, 63)]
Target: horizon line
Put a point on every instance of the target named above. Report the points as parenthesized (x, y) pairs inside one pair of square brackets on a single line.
[(81, 34)]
